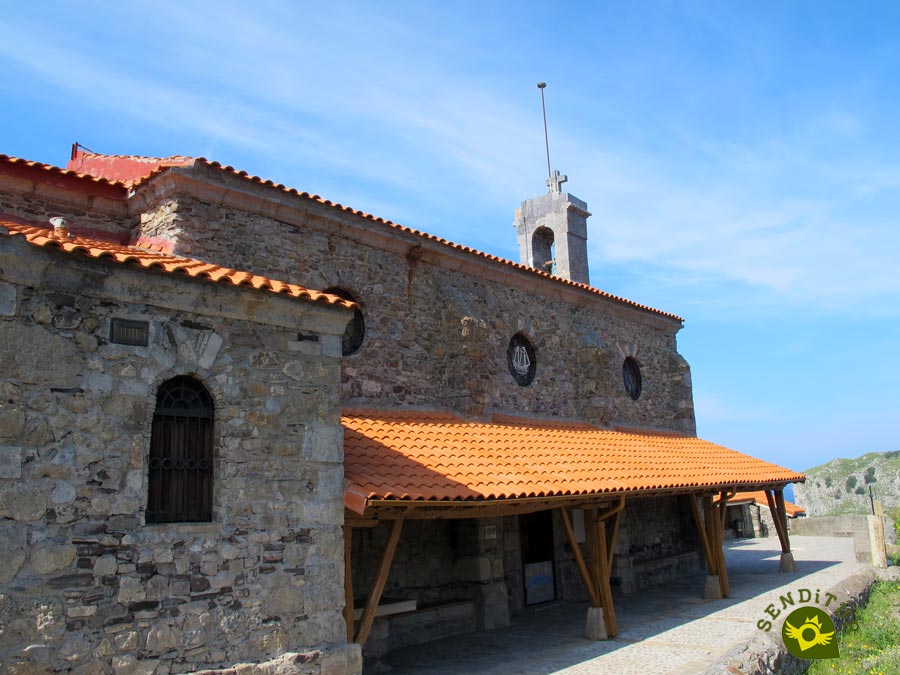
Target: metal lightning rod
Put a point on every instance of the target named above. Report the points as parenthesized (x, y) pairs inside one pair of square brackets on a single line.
[(542, 86)]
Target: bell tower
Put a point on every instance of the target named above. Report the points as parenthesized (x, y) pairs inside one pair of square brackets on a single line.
[(552, 231)]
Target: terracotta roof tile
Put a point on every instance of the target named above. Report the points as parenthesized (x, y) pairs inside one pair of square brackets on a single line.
[(439, 240), (135, 170), (106, 187), (124, 169), (151, 259), (759, 497), (432, 455)]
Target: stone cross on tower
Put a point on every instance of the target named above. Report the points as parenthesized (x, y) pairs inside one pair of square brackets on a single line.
[(556, 179)]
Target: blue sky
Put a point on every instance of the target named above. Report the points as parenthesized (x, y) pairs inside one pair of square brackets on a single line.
[(740, 159)]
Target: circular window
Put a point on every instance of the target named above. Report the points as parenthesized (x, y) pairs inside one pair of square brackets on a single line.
[(355, 331), (631, 374), (520, 359)]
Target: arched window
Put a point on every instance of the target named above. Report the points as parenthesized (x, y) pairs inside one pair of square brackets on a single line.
[(356, 328), (631, 375), (181, 451), (543, 250)]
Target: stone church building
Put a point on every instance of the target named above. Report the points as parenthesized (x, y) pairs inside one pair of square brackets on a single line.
[(244, 429)]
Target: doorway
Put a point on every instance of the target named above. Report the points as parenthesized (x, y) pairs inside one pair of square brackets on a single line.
[(536, 538)]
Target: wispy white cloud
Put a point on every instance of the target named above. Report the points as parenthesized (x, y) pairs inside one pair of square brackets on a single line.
[(355, 92)]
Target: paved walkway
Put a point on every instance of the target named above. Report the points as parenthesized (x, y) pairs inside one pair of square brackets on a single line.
[(668, 630)]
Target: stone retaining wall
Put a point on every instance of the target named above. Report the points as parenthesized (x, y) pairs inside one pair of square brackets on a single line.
[(767, 655)]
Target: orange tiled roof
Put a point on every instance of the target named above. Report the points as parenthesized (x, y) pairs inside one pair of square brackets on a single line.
[(759, 497), (150, 259), (54, 172), (124, 169), (134, 170), (428, 455)]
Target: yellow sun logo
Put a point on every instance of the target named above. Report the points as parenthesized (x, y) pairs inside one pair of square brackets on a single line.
[(807, 630)]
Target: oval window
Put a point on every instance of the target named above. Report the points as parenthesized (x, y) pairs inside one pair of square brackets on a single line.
[(521, 360), (355, 332)]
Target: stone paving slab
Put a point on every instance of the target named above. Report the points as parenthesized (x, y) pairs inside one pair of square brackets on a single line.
[(667, 630)]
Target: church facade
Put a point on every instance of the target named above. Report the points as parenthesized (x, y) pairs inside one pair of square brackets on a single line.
[(242, 424)]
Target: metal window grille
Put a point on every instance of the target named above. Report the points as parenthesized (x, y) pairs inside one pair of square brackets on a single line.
[(180, 464)]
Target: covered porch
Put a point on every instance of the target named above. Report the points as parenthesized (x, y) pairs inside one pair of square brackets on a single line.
[(411, 466)]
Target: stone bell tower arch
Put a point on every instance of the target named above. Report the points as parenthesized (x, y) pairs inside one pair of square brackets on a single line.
[(552, 231)]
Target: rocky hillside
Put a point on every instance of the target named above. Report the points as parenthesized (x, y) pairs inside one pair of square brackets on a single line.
[(842, 485)]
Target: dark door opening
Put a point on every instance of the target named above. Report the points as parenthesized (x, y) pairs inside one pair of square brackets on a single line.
[(536, 538)]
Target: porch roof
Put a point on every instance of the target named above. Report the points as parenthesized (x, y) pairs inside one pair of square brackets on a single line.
[(415, 458), (759, 497)]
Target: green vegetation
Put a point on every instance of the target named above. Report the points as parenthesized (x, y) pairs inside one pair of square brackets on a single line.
[(871, 645), (846, 483), (856, 465)]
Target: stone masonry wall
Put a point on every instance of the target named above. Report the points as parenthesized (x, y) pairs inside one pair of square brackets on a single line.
[(657, 542), (437, 336), (89, 213), (85, 585)]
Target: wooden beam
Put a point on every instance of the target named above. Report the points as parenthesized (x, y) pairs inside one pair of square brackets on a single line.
[(780, 527), (348, 581), (374, 597), (593, 595), (590, 531), (701, 530), (709, 520), (379, 510), (609, 612), (613, 535), (724, 586), (782, 514), (392, 509)]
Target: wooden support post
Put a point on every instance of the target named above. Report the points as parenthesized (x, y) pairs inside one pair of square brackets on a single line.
[(374, 597), (701, 531), (613, 535), (593, 596), (609, 612), (709, 527), (723, 568), (348, 582), (590, 530), (779, 517), (710, 523)]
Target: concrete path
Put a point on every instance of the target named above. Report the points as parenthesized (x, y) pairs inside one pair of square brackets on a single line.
[(668, 630)]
